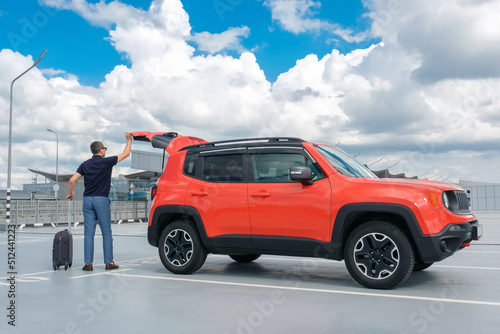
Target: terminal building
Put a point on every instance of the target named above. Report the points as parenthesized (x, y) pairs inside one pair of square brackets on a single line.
[(131, 187), (483, 196)]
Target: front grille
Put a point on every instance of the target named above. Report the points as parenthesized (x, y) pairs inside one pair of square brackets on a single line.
[(463, 202)]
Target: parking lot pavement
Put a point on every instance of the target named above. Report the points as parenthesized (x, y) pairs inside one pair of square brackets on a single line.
[(272, 295)]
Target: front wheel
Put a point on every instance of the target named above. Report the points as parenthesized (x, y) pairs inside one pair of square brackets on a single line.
[(180, 248), (378, 255)]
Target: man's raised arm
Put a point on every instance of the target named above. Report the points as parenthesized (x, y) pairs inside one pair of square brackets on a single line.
[(128, 147)]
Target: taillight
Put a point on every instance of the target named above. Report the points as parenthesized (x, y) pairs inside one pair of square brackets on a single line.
[(154, 189)]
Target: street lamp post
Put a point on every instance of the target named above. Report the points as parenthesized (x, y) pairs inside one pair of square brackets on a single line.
[(56, 186), (9, 164)]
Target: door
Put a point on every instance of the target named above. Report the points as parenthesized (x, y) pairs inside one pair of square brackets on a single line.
[(219, 193), (283, 208)]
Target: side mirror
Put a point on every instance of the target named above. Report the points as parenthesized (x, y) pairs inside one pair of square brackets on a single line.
[(302, 175)]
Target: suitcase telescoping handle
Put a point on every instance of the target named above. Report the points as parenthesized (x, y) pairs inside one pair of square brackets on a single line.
[(69, 214)]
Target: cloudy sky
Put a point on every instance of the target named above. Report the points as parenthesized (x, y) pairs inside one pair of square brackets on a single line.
[(409, 85)]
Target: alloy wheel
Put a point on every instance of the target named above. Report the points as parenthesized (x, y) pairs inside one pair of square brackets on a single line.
[(178, 247), (376, 255)]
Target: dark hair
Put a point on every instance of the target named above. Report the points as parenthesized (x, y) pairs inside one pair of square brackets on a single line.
[(96, 146)]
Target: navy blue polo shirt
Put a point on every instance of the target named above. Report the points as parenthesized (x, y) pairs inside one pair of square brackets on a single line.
[(97, 175)]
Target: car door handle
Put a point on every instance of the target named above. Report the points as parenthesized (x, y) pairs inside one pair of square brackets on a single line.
[(261, 194), (201, 192)]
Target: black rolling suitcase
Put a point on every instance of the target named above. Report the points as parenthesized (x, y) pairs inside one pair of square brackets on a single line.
[(62, 248)]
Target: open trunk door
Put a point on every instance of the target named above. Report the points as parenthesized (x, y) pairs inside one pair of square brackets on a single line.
[(171, 142)]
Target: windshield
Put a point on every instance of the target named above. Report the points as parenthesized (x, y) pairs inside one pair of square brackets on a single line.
[(343, 163)]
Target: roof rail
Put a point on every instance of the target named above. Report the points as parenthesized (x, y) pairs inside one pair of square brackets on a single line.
[(248, 140)]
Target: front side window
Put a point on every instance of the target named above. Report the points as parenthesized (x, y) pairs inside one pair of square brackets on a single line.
[(223, 168), (343, 163), (275, 167)]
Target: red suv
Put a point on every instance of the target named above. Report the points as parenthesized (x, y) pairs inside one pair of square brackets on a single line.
[(288, 196)]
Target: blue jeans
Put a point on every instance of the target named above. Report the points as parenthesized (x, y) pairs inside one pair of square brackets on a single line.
[(97, 209)]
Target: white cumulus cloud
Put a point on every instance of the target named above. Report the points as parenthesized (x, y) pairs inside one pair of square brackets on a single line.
[(299, 16), (225, 41)]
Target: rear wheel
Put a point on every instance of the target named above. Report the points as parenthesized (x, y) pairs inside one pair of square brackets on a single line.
[(378, 255), (245, 257), (180, 248)]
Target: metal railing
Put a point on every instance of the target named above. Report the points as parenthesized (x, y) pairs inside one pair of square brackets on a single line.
[(57, 213)]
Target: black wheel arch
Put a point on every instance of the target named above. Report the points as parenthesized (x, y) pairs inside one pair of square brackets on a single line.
[(166, 214), (353, 215)]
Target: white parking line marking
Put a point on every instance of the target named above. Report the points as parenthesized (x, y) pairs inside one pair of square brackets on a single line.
[(101, 273), (464, 267), (369, 294), (73, 268), (38, 273), (474, 251)]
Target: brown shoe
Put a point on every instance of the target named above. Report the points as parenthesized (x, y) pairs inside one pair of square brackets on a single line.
[(111, 265), (88, 267)]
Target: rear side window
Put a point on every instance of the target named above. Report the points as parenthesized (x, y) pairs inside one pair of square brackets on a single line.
[(190, 165), (222, 168)]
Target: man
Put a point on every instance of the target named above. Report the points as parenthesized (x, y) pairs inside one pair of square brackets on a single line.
[(96, 205)]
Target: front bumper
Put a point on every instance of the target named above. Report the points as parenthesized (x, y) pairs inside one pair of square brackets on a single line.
[(477, 231), (454, 237)]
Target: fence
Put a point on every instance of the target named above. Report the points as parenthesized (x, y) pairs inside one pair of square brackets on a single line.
[(44, 213)]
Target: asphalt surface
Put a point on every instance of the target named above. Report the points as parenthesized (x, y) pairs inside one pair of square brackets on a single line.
[(272, 295)]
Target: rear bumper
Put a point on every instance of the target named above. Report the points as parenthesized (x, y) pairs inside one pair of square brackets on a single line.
[(152, 235), (454, 237)]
